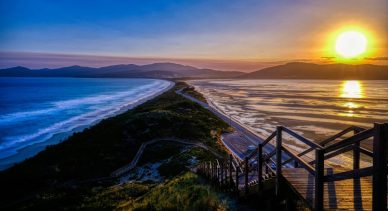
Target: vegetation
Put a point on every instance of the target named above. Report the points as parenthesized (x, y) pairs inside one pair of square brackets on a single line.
[(185, 192), (191, 91), (68, 175)]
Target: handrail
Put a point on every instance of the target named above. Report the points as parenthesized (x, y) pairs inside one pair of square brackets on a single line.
[(316, 167), (269, 138), (332, 138), (335, 153), (366, 152), (270, 168), (358, 129), (237, 164), (307, 166), (271, 154), (252, 154), (346, 149), (302, 139), (351, 140), (347, 130)]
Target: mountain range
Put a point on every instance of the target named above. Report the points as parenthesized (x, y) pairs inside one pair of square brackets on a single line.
[(300, 70), (156, 70), (295, 70)]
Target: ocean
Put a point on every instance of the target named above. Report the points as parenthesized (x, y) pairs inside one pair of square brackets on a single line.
[(36, 112)]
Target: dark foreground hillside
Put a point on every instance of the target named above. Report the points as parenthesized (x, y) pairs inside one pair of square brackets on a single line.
[(76, 173)]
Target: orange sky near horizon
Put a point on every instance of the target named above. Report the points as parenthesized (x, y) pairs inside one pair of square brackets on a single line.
[(237, 35)]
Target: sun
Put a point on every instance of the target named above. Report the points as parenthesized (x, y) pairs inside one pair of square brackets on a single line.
[(351, 44)]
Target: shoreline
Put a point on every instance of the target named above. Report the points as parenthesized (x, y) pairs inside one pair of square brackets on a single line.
[(344, 160), (79, 169), (33, 149)]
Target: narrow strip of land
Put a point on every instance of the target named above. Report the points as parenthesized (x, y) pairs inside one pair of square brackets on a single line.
[(237, 143)]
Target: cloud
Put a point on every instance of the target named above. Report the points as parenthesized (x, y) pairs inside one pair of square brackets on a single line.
[(383, 58), (328, 57)]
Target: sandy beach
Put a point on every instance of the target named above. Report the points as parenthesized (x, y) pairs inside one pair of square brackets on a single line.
[(33, 149), (315, 124)]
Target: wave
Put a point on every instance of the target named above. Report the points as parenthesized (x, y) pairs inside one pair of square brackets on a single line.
[(73, 103), (17, 116), (118, 102)]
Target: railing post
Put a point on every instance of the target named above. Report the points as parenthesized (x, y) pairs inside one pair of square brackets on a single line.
[(207, 169), (246, 175), (380, 146), (278, 157), (218, 173), (210, 170), (237, 181), (356, 154), (230, 171), (226, 173), (319, 174), (260, 166), (213, 172), (222, 174), (296, 164)]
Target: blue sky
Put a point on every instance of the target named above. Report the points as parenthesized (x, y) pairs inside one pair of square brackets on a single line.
[(263, 30)]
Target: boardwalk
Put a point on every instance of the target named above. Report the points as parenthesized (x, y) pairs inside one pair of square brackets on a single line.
[(320, 187), (352, 194)]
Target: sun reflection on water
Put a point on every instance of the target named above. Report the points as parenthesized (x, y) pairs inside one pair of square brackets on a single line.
[(351, 90)]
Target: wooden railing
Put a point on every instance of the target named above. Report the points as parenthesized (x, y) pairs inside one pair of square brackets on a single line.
[(227, 173)]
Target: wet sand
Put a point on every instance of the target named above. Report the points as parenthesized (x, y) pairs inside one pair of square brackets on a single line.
[(312, 109)]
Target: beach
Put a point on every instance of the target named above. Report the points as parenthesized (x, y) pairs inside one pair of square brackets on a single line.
[(91, 109), (315, 109)]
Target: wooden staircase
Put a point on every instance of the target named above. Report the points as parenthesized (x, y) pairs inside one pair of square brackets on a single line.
[(317, 183)]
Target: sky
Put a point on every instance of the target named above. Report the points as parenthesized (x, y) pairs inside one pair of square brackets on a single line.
[(222, 34)]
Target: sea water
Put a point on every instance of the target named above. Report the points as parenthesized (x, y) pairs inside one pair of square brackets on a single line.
[(33, 111)]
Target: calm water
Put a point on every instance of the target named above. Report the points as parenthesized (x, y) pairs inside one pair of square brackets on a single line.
[(314, 108), (35, 110)]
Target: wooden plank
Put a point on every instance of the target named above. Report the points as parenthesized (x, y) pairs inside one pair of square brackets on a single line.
[(353, 194)]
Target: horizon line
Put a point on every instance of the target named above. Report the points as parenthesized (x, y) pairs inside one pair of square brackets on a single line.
[(52, 60)]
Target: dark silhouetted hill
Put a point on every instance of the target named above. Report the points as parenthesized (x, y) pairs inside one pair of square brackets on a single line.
[(156, 70), (298, 70)]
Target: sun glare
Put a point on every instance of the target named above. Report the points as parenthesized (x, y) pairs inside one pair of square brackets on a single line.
[(351, 44), (351, 89)]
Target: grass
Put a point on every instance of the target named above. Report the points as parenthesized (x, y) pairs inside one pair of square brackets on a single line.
[(191, 91), (65, 174), (114, 196), (185, 192)]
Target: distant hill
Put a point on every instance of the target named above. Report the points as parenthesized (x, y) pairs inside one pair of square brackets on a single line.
[(295, 70), (299, 70), (156, 70)]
